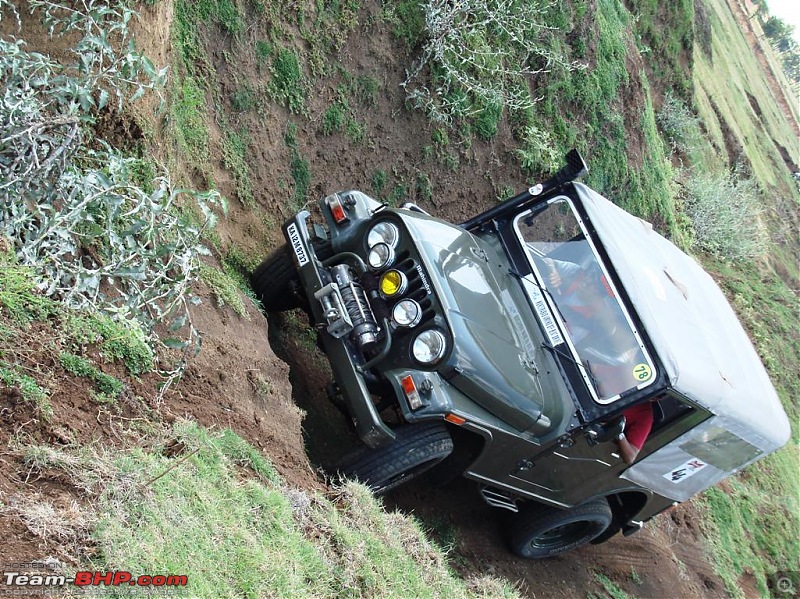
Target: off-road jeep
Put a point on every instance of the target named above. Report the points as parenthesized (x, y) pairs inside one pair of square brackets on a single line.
[(514, 342)]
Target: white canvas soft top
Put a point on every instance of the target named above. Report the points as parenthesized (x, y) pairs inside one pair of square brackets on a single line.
[(705, 351)]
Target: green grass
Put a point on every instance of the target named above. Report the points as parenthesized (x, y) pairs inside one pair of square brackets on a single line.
[(407, 20), (244, 99), (487, 120), (105, 383), (19, 299), (298, 167), (235, 149), (378, 181), (263, 51), (121, 340), (664, 45), (190, 115), (333, 119), (219, 513), (611, 588), (424, 186), (29, 389), (288, 86), (225, 288)]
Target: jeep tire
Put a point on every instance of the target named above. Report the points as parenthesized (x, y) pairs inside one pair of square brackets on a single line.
[(416, 449), (275, 281), (540, 531)]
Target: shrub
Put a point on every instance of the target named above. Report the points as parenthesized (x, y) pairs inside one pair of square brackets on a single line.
[(681, 127), (479, 54), (537, 154), (79, 214), (726, 215)]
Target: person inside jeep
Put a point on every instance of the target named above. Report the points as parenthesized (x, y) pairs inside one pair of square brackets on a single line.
[(638, 424), (596, 325), (572, 274)]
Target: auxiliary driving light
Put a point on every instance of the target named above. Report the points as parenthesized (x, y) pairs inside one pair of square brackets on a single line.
[(392, 282), (407, 313), (380, 255), (429, 346), (383, 232)]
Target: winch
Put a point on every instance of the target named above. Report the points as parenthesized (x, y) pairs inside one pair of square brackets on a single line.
[(346, 308)]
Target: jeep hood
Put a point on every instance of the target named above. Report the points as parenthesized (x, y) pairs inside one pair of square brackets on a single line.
[(496, 351)]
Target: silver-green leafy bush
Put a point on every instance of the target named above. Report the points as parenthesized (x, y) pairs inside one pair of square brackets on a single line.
[(726, 215), (680, 125), (75, 208), (479, 53)]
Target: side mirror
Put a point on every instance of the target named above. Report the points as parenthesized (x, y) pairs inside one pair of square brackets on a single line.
[(603, 432)]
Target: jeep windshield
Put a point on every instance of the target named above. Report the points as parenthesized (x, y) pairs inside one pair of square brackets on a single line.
[(578, 304)]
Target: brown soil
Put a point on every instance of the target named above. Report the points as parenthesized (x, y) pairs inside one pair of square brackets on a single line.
[(238, 381)]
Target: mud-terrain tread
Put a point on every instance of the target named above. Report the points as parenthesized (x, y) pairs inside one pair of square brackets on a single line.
[(539, 519), (416, 449), (274, 279)]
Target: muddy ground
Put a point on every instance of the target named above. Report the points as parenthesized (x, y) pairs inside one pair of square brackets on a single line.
[(263, 379)]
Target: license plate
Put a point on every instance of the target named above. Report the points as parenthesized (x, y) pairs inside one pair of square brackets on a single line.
[(297, 244)]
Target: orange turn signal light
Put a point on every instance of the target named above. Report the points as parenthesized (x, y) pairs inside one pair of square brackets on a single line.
[(410, 391), (337, 209), (453, 419)]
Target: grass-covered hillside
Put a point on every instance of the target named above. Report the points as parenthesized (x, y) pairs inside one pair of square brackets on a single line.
[(150, 152)]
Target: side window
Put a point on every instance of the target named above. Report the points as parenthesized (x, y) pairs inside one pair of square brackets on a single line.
[(672, 416), (667, 410)]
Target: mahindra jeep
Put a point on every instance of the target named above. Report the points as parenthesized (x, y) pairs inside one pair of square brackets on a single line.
[(514, 343)]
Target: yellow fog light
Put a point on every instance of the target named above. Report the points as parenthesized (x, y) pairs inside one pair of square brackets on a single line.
[(392, 283)]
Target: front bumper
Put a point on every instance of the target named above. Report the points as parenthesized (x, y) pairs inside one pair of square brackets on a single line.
[(357, 398)]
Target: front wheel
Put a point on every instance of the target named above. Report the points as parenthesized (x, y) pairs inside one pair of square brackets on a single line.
[(542, 531), (416, 449), (275, 281)]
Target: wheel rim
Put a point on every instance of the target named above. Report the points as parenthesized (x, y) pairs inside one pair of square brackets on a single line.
[(562, 535)]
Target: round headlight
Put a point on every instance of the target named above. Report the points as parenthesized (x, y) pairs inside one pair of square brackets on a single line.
[(407, 313), (392, 282), (429, 346), (380, 255), (383, 232)]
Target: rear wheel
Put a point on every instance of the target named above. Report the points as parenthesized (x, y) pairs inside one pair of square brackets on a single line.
[(542, 531), (417, 448), (275, 281)]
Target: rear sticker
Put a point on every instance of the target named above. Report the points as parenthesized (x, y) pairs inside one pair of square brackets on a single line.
[(686, 470), (642, 372)]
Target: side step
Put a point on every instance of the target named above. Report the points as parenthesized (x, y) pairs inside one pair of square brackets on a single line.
[(499, 499)]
